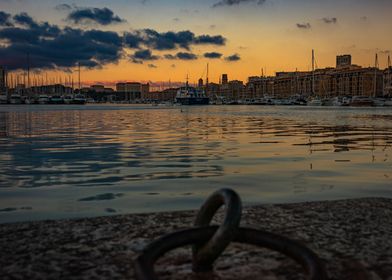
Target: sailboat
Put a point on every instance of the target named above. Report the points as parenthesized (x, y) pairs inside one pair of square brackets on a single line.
[(79, 98), (315, 100)]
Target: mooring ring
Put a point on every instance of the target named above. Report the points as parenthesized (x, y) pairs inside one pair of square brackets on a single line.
[(144, 264), (205, 253)]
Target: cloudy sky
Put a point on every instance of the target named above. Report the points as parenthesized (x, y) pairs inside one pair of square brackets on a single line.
[(161, 40)]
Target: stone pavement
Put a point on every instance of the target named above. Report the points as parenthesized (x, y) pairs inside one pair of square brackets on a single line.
[(352, 237)]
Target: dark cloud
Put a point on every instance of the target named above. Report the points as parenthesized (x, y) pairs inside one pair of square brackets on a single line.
[(213, 40), (52, 47), (328, 20), (102, 16), (186, 56), (212, 55), (5, 19), (25, 19), (234, 57), (304, 25), (181, 56), (141, 55), (63, 7), (169, 40), (236, 2)]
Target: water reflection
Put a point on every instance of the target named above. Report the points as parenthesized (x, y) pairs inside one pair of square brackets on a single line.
[(180, 151)]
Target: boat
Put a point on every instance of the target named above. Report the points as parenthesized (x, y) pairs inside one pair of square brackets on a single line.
[(56, 99), (3, 98), (315, 102), (15, 99), (379, 102), (79, 99), (43, 99), (67, 99), (388, 102), (191, 96), (361, 101)]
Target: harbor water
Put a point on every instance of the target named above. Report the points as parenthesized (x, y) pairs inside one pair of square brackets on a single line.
[(82, 161)]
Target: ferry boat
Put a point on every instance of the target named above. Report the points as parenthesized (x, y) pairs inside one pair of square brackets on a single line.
[(191, 96)]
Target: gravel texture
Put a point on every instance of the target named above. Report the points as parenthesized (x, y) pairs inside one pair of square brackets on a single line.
[(352, 237)]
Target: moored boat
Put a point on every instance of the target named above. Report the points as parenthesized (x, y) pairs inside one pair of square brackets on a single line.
[(3, 98), (15, 99), (191, 96), (43, 99), (79, 99), (56, 99), (361, 101)]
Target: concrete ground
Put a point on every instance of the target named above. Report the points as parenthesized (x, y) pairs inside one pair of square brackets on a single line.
[(352, 237)]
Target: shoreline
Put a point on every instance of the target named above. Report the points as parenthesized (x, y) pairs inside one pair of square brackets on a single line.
[(352, 237)]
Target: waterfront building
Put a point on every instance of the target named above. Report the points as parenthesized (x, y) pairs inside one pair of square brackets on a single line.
[(225, 79), (56, 89), (167, 95), (3, 79), (343, 60), (388, 82), (345, 80), (131, 91)]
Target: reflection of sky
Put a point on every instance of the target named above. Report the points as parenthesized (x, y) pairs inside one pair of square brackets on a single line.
[(106, 159)]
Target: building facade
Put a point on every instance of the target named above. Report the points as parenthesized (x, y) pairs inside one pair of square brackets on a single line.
[(131, 91), (3, 79)]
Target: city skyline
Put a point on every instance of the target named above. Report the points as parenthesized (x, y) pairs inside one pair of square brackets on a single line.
[(152, 41)]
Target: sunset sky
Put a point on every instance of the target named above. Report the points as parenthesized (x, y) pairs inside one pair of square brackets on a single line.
[(157, 40)]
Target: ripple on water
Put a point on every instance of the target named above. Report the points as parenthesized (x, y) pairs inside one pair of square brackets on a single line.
[(58, 159)]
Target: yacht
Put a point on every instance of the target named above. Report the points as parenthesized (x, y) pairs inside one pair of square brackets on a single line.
[(3, 98), (67, 99), (43, 99), (56, 99), (79, 99), (361, 101), (388, 102), (315, 102), (15, 99)]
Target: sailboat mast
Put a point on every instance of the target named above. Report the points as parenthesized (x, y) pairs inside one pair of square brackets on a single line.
[(375, 75), (207, 78), (313, 72), (389, 75), (80, 88)]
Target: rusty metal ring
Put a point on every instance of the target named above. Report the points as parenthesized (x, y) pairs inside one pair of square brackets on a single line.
[(144, 264), (206, 253)]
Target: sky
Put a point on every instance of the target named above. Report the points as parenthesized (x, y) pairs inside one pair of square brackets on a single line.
[(162, 41)]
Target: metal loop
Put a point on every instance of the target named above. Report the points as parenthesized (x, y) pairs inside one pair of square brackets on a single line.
[(205, 253), (144, 264)]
